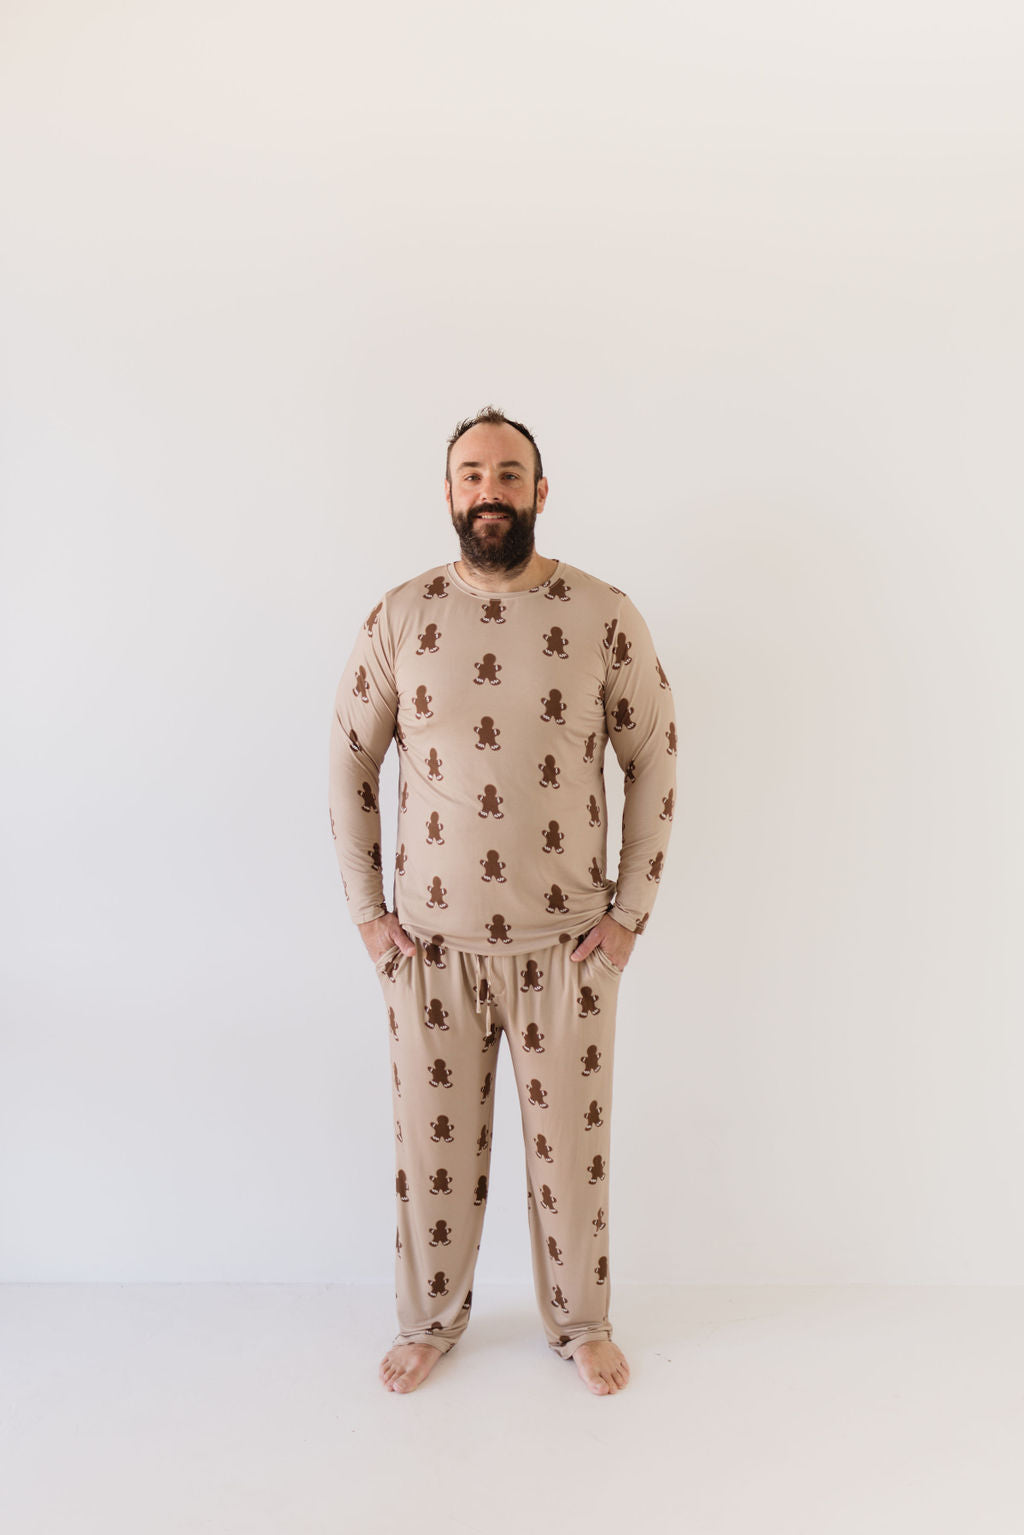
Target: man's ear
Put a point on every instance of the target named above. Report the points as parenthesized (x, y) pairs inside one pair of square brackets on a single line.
[(542, 493)]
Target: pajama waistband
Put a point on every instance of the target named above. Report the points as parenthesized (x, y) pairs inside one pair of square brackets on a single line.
[(480, 969)]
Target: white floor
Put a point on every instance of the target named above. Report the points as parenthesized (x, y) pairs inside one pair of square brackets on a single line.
[(256, 1408)]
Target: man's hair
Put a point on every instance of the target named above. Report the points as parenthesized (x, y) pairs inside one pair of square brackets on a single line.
[(494, 416)]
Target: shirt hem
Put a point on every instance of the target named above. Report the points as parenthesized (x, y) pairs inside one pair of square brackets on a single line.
[(578, 927)]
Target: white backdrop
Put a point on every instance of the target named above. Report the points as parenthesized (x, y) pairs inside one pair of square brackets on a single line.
[(751, 274)]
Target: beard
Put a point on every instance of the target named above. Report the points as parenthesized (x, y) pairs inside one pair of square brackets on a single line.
[(498, 546)]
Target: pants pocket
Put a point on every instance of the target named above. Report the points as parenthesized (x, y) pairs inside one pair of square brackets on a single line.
[(602, 956), (389, 954)]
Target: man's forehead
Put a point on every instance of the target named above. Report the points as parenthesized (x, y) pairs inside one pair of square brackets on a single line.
[(492, 440), (478, 463)]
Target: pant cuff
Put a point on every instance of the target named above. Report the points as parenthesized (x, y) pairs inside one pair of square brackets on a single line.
[(432, 1338), (592, 1335)]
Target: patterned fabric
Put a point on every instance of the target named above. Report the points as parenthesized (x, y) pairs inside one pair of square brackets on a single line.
[(447, 1011), (502, 706)]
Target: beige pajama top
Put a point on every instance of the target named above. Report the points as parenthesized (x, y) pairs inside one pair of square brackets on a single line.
[(502, 705)]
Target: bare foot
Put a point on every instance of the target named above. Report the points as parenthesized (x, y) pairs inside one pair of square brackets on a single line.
[(603, 1366), (406, 1365)]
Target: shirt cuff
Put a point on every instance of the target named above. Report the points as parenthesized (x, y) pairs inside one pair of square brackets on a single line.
[(630, 923), (367, 913)]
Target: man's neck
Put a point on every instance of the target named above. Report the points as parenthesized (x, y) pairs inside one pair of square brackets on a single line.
[(489, 580)]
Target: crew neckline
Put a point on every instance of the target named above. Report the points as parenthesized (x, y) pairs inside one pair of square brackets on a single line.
[(478, 591)]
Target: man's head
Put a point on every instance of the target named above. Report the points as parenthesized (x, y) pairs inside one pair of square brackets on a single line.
[(494, 488)]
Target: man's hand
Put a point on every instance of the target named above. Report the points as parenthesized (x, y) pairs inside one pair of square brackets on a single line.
[(381, 932), (614, 939)]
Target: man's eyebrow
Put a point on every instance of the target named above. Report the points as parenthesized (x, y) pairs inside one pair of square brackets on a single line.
[(506, 463)]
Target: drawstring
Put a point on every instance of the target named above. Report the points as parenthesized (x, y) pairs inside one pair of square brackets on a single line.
[(476, 965)]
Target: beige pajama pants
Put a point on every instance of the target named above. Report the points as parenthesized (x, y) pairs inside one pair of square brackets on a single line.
[(447, 1010)]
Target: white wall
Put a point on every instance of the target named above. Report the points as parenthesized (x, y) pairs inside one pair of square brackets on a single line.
[(752, 275)]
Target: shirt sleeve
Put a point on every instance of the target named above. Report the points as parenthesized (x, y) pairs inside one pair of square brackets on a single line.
[(362, 727), (641, 724)]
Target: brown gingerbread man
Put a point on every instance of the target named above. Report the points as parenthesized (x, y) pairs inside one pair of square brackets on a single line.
[(549, 771), (490, 802), (553, 706), (440, 1074), (532, 1039), (487, 670), (487, 734), (492, 866)]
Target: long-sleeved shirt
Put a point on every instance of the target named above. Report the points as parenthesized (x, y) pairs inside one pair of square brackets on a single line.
[(502, 705)]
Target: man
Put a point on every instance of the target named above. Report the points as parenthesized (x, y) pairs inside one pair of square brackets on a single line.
[(502, 677)]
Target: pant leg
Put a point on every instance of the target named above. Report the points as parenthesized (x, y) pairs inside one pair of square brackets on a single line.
[(443, 1059), (561, 1026)]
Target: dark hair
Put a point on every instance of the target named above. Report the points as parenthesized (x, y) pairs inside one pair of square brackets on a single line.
[(494, 416)]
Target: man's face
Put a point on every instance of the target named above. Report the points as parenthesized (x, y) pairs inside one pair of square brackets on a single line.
[(492, 498)]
